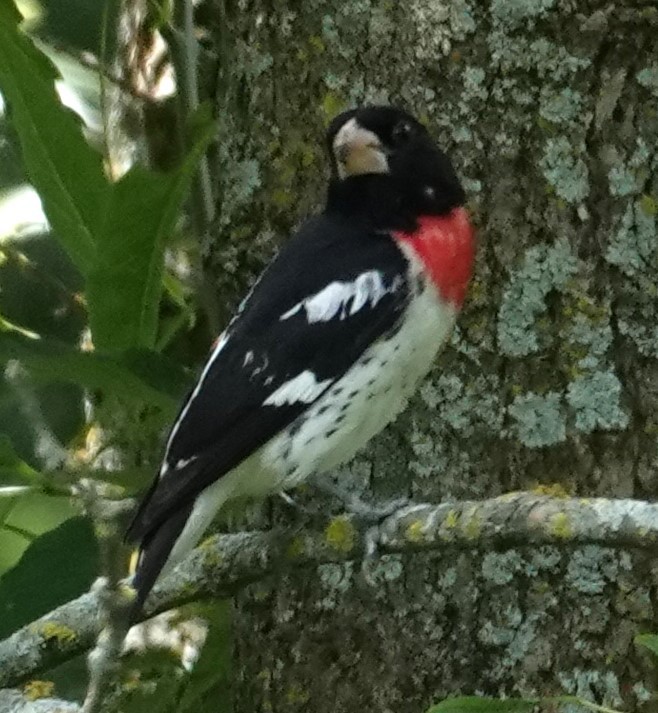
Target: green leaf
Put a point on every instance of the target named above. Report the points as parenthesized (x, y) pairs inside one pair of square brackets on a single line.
[(138, 375), (157, 686), (649, 641), (125, 286), (13, 469), (71, 552), (476, 704), (65, 170)]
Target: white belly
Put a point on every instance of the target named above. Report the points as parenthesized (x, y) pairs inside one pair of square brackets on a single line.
[(367, 398)]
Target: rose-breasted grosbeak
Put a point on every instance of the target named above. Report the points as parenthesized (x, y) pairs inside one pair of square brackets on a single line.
[(329, 344)]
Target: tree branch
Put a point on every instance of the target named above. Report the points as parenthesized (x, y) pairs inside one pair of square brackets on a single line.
[(12, 701), (225, 564), (114, 602)]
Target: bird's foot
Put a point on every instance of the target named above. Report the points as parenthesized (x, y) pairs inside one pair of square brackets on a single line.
[(295, 505), (369, 513)]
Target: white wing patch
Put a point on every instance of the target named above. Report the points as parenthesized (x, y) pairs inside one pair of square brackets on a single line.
[(332, 301), (304, 387)]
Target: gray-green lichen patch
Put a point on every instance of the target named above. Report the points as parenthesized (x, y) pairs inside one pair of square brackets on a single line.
[(513, 13), (635, 242), (335, 580), (501, 567), (242, 179), (644, 337), (449, 22), (591, 685), (384, 569), (564, 168), (648, 77), (590, 337), (501, 629), (595, 398), (590, 568), (541, 55), (560, 107), (628, 178), (539, 419), (545, 268), (464, 406)]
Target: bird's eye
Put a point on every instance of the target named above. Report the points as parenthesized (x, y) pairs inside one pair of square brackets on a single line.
[(401, 132)]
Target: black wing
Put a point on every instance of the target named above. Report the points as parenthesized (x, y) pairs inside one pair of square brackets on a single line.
[(275, 337)]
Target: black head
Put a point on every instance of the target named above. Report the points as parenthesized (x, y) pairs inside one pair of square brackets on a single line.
[(388, 143)]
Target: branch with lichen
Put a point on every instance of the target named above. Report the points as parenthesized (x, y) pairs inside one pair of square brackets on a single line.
[(225, 564), (114, 605), (34, 699)]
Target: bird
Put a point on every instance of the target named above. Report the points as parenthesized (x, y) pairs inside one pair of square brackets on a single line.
[(330, 342)]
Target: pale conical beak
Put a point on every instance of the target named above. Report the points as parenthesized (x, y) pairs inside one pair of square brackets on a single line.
[(358, 151)]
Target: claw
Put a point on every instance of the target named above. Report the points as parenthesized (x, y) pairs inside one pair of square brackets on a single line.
[(368, 512)]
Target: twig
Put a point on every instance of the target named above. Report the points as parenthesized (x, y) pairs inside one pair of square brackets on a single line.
[(114, 598), (184, 50), (13, 701), (225, 564), (51, 452), (90, 61)]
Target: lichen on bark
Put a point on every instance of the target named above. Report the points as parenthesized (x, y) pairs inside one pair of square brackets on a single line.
[(548, 109)]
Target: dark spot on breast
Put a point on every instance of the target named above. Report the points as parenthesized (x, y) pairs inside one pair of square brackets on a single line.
[(340, 419), (330, 432), (352, 394), (322, 409), (366, 360), (372, 381), (338, 390), (397, 348), (344, 407)]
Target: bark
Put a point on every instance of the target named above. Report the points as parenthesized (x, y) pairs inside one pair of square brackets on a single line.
[(549, 110), (226, 564)]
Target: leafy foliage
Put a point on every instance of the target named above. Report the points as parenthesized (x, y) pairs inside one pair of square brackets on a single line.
[(71, 551), (67, 173), (142, 375), (208, 685), (125, 283), (100, 269), (648, 641), (106, 272)]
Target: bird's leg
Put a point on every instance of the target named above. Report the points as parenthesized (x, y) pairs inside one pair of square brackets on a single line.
[(369, 512), (295, 505)]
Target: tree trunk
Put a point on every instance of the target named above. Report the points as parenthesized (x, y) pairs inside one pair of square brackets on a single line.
[(549, 110)]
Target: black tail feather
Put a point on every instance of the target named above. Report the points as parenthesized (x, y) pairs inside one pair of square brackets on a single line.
[(153, 554)]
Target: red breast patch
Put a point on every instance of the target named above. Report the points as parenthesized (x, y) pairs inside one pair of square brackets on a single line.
[(446, 245)]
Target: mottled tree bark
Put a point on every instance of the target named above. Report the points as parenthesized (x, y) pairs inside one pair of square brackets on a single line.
[(549, 108)]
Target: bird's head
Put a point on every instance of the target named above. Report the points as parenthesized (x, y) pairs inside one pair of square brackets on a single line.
[(386, 141)]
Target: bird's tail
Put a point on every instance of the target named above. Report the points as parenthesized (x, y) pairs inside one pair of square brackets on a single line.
[(151, 558)]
